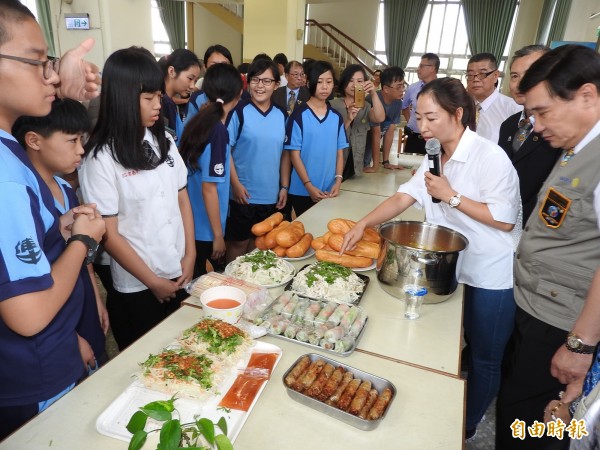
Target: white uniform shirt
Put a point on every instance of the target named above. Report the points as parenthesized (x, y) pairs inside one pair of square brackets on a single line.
[(147, 206), (494, 110), (481, 171)]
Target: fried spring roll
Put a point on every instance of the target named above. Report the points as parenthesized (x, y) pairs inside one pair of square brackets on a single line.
[(360, 398), (380, 404), (309, 376), (331, 385), (316, 388), (368, 404), (348, 394), (346, 379), (297, 371)]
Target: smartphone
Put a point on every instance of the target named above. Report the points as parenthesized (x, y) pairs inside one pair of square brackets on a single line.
[(359, 96)]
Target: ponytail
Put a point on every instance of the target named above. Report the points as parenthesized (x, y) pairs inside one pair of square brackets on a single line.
[(197, 133)]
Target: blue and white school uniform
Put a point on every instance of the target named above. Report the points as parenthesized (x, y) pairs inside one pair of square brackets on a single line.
[(197, 99), (256, 138), (36, 368), (319, 141), (213, 168)]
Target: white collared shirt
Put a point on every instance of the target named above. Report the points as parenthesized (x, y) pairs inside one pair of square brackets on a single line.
[(146, 203), (480, 171), (494, 110)]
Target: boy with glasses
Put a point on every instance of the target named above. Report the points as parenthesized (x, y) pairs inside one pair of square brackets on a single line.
[(41, 296), (492, 107)]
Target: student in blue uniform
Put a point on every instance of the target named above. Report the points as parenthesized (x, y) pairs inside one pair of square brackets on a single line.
[(205, 149), (316, 139), (41, 291), (260, 173), (181, 70), (54, 146), (133, 172)]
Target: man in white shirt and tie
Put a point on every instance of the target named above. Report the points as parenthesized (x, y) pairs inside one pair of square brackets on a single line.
[(493, 108)]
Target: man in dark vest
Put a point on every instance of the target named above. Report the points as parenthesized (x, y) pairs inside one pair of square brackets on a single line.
[(557, 275)]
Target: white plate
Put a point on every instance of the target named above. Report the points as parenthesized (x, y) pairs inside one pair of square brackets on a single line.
[(364, 269), (114, 419), (310, 252), (284, 281)]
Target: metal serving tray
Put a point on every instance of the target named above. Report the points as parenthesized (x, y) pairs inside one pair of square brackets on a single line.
[(362, 424)]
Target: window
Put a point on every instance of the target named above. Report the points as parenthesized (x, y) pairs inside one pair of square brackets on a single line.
[(443, 32), (162, 45), (32, 7)]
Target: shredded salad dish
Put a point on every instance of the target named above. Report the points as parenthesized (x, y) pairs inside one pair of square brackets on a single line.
[(328, 281), (261, 267)]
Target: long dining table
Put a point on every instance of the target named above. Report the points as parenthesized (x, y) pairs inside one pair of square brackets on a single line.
[(420, 357)]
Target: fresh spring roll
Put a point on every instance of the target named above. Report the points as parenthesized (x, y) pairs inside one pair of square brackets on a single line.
[(279, 326), (334, 398), (326, 312), (314, 308), (316, 388), (281, 301), (334, 334), (326, 344), (347, 396), (337, 315), (317, 334), (380, 404), (360, 398), (345, 344), (302, 334), (290, 306), (368, 404), (291, 330), (268, 316), (332, 383), (349, 318), (298, 314), (298, 370), (358, 325)]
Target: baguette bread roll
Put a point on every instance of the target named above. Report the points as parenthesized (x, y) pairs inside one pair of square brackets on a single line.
[(301, 247), (262, 228), (290, 235), (317, 243), (338, 226), (259, 242), (279, 251), (344, 260), (362, 248), (370, 235), (270, 241), (326, 237)]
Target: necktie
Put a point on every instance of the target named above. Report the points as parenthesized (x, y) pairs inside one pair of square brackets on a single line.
[(521, 134), (477, 111), (151, 156), (566, 157), (291, 101)]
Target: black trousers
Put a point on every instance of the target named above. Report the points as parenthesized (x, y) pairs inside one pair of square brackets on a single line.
[(414, 142), (300, 203), (527, 384)]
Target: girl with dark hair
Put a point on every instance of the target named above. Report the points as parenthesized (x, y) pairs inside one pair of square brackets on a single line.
[(316, 139), (260, 170), (133, 172), (181, 71), (205, 149), (357, 118), (479, 193)]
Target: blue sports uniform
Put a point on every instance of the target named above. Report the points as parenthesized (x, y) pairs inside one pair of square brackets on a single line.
[(199, 98), (174, 122), (214, 168), (257, 141), (89, 326), (319, 141), (33, 369)]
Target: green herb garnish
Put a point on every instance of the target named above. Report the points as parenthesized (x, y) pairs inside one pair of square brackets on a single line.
[(261, 259), (182, 365), (220, 337), (328, 271)]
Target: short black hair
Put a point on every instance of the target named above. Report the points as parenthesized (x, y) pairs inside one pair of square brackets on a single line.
[(564, 69), (259, 67), (291, 64), (262, 56), (280, 58), (318, 68), (217, 48), (12, 11), (181, 59), (347, 75), (528, 50), (484, 57), (66, 116), (432, 58), (391, 74)]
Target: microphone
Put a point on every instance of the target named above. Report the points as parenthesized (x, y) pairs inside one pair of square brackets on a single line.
[(432, 147)]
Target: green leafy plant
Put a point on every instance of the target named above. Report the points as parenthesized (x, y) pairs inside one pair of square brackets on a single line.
[(199, 434)]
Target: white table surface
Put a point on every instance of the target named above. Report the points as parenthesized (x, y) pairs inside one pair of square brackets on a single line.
[(427, 413)]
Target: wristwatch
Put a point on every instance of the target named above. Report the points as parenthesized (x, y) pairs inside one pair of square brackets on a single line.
[(91, 243), (575, 344), (454, 201)]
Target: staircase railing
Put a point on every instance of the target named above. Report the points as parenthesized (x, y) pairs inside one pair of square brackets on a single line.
[(341, 47)]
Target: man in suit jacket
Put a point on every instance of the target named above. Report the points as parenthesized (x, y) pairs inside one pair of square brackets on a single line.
[(295, 79), (532, 157)]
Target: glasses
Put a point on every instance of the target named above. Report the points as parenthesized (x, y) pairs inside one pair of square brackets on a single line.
[(49, 66), (265, 81), (400, 87), (480, 76), (296, 74), (425, 65)]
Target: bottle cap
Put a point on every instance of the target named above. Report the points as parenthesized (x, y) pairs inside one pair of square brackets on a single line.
[(413, 289)]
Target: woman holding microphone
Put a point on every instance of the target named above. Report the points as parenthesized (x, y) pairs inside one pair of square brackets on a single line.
[(479, 193)]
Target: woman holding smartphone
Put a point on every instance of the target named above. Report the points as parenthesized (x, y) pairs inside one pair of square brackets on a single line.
[(356, 112)]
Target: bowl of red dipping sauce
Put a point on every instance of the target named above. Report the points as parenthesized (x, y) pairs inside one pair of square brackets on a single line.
[(223, 302)]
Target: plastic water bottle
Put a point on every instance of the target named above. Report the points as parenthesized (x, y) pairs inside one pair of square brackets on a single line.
[(414, 300)]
